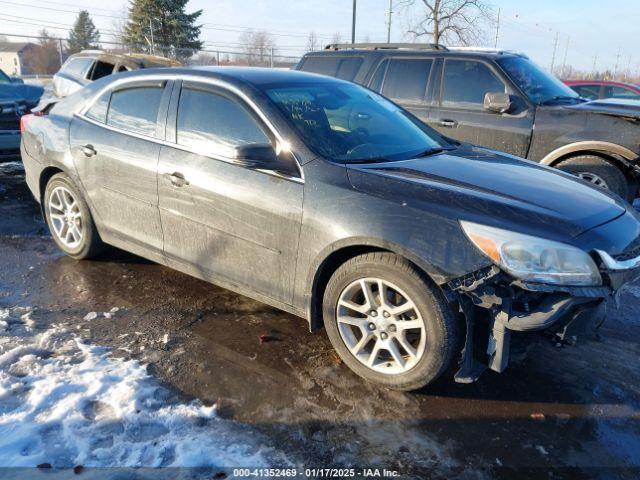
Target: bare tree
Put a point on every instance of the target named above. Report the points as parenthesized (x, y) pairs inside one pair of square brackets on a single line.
[(44, 57), (337, 38), (451, 21), (257, 47), (313, 42)]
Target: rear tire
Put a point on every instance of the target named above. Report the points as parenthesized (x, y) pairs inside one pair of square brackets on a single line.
[(599, 172), (69, 219), (402, 350)]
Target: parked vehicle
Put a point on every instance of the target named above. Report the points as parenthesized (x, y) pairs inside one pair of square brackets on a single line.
[(16, 99), (324, 199), (501, 100), (595, 89), (87, 66)]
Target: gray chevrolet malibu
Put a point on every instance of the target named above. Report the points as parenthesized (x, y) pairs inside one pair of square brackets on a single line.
[(322, 198)]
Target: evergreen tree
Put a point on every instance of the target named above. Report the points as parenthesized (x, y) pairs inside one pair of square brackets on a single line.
[(83, 35), (162, 27)]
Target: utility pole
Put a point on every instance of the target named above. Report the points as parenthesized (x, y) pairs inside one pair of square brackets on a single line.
[(353, 23), (60, 50), (389, 21), (564, 59), (271, 57), (615, 69), (153, 44), (553, 57), (495, 45)]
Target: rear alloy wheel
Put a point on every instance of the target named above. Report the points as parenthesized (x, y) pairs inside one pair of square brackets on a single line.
[(69, 219), (388, 323), (598, 172)]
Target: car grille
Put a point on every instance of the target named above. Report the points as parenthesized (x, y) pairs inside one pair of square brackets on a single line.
[(633, 253)]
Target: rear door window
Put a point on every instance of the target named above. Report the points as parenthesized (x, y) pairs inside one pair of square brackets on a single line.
[(211, 123), (466, 82), (77, 67), (406, 79), (345, 68), (135, 109), (620, 92)]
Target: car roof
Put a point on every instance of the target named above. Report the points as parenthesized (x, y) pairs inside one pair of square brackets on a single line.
[(452, 52), (257, 76), (131, 60)]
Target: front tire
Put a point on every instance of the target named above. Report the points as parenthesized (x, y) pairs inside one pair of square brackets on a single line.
[(69, 219), (598, 172), (388, 323)]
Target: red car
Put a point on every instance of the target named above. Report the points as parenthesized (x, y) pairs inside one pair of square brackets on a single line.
[(594, 89)]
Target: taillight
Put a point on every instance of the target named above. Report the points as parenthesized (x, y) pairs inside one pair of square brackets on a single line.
[(25, 119)]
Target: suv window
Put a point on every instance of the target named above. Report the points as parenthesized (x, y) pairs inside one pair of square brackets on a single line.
[(98, 110), (466, 82), (135, 109), (339, 67), (77, 66), (100, 69), (206, 118), (406, 79)]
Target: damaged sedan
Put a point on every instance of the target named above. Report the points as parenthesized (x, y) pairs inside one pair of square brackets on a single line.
[(324, 199)]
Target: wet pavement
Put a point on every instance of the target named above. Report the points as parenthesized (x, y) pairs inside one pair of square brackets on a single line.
[(570, 412)]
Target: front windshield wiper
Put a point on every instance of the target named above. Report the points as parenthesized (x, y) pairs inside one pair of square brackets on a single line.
[(561, 97), (433, 151)]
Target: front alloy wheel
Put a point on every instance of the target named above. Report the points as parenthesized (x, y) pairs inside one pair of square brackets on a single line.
[(388, 322), (381, 326)]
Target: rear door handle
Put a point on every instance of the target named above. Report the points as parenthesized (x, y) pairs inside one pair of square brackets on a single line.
[(444, 122), (88, 150), (177, 179)]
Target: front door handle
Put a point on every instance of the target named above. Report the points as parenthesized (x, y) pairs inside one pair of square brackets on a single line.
[(88, 150), (177, 179), (445, 122)]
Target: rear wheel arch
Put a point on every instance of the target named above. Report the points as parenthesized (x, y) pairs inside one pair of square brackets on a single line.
[(337, 256), (45, 176)]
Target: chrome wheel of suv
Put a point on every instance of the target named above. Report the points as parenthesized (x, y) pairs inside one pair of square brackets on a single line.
[(381, 326), (66, 217)]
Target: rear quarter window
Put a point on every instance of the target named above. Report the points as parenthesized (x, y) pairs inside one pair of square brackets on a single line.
[(77, 67)]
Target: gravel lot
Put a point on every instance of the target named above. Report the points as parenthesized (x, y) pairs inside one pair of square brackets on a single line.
[(570, 412)]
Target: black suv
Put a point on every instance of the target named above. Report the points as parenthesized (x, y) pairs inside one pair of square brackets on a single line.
[(501, 100)]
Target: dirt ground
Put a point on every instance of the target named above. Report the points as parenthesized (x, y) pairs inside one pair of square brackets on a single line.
[(570, 412)]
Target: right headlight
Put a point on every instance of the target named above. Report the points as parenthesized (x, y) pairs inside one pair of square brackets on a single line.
[(534, 259)]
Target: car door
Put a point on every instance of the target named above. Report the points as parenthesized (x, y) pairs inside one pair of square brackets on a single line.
[(459, 113), (116, 146), (404, 80), (224, 220)]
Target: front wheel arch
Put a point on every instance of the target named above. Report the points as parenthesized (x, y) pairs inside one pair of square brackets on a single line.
[(339, 254)]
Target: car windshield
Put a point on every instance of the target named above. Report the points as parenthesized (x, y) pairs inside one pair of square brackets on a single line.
[(539, 85), (350, 124), (4, 78)]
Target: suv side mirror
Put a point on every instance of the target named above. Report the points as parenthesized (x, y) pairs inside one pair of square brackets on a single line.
[(258, 155), (17, 80), (497, 102)]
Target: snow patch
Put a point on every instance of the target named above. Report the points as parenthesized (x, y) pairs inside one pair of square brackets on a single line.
[(67, 403)]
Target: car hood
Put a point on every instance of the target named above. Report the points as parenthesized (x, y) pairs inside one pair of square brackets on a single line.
[(483, 186), (610, 106), (16, 92)]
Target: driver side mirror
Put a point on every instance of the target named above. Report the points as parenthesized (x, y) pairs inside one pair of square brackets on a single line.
[(497, 102), (260, 156), (17, 80)]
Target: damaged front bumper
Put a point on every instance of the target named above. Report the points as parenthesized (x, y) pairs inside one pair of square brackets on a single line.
[(495, 306)]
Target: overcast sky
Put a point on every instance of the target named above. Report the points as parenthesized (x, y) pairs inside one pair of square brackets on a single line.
[(593, 27)]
